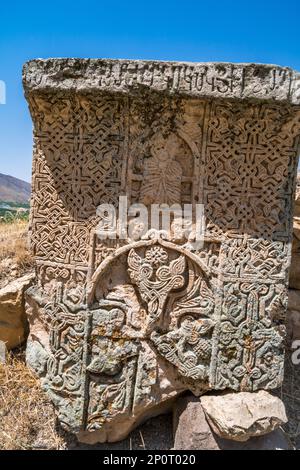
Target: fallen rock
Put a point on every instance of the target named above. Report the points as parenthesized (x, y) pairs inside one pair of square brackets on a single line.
[(239, 416), (190, 428), (192, 431), (36, 357), (13, 322)]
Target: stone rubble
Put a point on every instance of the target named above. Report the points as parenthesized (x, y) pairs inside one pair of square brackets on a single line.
[(13, 319), (239, 416), (193, 432)]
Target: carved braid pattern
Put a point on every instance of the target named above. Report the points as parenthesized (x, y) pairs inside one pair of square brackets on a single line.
[(221, 325), (77, 165), (250, 155)]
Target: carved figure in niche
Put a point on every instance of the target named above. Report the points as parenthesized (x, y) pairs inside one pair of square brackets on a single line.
[(162, 173)]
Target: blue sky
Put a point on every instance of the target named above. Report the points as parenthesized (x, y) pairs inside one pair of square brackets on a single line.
[(195, 30)]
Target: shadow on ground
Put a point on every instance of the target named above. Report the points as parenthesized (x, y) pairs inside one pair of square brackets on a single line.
[(155, 434)]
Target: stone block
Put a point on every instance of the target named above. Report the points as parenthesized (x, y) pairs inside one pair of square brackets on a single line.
[(13, 322), (239, 416), (131, 314), (193, 432)]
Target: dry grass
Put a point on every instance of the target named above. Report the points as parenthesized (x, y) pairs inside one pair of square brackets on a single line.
[(15, 258), (290, 395), (13, 239), (26, 415), (22, 256), (28, 422)]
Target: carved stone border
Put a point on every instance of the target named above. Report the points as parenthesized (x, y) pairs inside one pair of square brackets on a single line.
[(215, 80)]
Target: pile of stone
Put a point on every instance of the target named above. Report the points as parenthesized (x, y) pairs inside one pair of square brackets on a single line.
[(13, 320), (230, 421)]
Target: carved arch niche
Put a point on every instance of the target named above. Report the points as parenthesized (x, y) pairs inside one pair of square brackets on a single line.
[(156, 292), (165, 159)]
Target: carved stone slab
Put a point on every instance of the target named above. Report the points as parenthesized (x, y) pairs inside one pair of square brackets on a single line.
[(120, 327)]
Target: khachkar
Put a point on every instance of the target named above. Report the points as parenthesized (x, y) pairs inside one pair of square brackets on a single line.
[(120, 327)]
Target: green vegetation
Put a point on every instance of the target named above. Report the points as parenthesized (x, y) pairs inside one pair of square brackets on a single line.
[(11, 212), (15, 205)]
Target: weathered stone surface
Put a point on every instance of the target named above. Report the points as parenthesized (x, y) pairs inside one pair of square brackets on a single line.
[(239, 416), (193, 432), (190, 427), (127, 324), (13, 322), (3, 352), (209, 80), (36, 356), (114, 433)]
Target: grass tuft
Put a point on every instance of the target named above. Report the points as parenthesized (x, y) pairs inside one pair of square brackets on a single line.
[(26, 415)]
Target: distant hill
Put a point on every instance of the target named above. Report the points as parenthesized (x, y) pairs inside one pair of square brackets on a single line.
[(13, 189)]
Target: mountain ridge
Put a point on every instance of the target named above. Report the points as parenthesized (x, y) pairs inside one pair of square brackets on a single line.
[(14, 189)]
